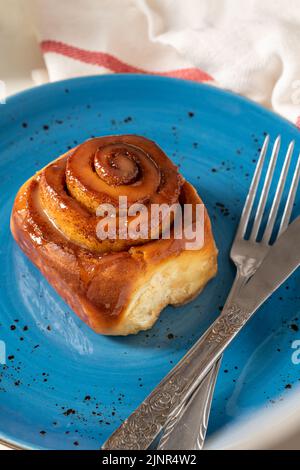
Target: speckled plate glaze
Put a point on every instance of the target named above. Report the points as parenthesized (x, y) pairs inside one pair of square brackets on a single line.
[(63, 386)]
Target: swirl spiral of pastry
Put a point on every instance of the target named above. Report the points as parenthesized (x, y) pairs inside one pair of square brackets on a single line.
[(98, 172), (116, 285)]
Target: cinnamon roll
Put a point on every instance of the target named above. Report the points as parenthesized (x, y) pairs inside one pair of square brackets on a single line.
[(86, 221)]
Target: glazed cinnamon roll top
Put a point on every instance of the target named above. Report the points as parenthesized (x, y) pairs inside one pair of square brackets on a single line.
[(69, 191)]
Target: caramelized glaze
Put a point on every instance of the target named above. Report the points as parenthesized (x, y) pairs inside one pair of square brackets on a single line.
[(54, 222)]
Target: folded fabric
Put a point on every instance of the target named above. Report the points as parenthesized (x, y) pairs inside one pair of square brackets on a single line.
[(252, 47)]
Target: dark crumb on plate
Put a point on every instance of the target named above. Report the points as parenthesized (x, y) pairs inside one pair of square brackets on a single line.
[(42, 433), (294, 327), (24, 124), (45, 127), (69, 412), (128, 119), (191, 114), (87, 398), (288, 386), (170, 336)]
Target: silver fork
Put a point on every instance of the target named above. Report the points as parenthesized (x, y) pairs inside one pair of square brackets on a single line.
[(171, 408), (187, 430)]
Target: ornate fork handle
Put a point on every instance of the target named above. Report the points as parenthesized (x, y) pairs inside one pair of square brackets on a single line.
[(144, 425), (187, 428), (140, 429)]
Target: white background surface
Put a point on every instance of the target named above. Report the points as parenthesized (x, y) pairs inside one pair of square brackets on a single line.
[(19, 56), (19, 49)]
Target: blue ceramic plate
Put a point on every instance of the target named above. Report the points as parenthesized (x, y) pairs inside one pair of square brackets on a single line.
[(65, 387)]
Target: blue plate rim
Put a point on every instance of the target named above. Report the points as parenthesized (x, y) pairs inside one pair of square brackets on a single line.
[(20, 444), (158, 78)]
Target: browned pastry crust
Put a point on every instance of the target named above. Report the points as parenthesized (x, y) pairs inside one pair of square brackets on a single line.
[(117, 286)]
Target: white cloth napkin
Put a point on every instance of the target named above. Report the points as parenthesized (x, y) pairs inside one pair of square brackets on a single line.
[(251, 47)]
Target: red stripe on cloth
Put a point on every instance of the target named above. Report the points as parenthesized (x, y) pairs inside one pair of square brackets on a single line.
[(110, 62), (298, 122)]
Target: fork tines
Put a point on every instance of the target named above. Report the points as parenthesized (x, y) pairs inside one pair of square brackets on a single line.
[(266, 190)]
